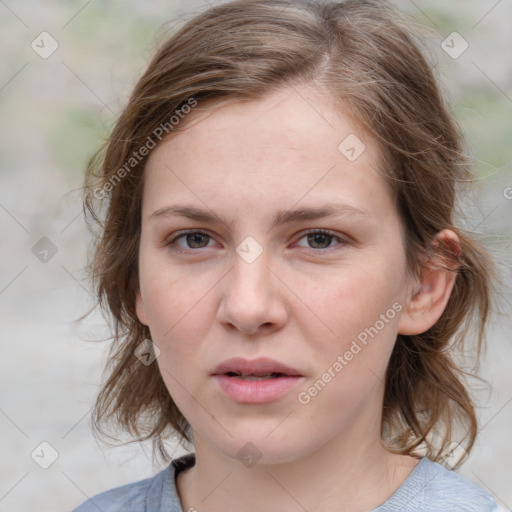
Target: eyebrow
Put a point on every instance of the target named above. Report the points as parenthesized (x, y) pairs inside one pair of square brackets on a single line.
[(282, 216)]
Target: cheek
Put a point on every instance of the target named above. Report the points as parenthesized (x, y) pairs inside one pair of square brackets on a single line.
[(362, 309), (168, 297), (173, 307), (351, 363), (356, 298)]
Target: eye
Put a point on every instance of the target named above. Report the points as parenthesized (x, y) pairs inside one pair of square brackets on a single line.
[(321, 239), (317, 240), (192, 239)]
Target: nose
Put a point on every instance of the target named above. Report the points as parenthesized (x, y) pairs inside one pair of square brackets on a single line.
[(253, 299)]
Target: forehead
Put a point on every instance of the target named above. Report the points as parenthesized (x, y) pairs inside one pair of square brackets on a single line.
[(289, 146), (301, 118)]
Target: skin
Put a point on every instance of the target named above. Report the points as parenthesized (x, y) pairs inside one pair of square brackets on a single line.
[(302, 302)]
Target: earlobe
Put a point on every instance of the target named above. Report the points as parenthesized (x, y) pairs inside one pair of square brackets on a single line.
[(436, 281), (139, 307)]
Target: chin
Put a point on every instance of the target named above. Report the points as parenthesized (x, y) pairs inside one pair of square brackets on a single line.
[(256, 446)]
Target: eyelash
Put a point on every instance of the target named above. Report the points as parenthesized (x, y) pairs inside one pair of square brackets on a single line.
[(172, 242)]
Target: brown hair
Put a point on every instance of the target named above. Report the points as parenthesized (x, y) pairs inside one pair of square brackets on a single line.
[(365, 57)]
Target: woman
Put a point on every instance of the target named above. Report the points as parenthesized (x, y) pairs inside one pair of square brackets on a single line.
[(286, 281)]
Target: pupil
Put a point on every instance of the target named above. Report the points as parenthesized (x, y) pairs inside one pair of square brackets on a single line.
[(319, 238), (195, 238)]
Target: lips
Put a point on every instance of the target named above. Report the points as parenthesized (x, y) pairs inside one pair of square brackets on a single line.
[(262, 368), (256, 382)]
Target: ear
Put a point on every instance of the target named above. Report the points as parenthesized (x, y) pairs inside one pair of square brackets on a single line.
[(139, 308), (436, 280)]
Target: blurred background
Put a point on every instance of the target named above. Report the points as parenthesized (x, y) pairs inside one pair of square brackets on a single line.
[(66, 70)]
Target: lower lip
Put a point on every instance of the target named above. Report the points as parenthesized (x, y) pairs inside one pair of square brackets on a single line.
[(256, 391)]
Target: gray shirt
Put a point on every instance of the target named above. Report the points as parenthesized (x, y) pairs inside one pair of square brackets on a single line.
[(429, 488)]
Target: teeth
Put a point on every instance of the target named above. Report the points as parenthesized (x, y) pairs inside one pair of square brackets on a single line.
[(261, 376), (256, 377)]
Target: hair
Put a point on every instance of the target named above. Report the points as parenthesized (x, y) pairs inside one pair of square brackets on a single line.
[(363, 54)]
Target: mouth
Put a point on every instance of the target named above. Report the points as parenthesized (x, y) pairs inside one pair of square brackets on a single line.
[(262, 368), (241, 376), (255, 382)]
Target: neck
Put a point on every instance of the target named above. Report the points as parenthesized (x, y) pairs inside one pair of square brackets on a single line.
[(338, 476)]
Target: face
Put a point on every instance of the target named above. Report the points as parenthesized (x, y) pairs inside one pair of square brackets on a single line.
[(321, 292)]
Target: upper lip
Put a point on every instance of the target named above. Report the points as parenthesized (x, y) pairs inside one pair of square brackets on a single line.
[(255, 367)]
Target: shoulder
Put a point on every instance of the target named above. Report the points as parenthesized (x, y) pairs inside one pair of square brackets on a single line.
[(149, 495), (431, 488), (127, 497)]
